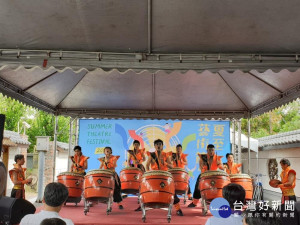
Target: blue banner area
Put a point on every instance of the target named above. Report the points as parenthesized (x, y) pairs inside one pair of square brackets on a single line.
[(193, 135)]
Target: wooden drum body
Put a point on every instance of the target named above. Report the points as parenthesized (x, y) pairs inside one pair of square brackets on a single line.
[(181, 180), (245, 181), (74, 183), (211, 184), (157, 189), (130, 180), (99, 185)]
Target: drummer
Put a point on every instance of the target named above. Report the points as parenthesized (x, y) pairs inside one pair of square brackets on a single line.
[(79, 161), (109, 162), (179, 160), (136, 156), (212, 162), (159, 160), (288, 179), (231, 167), (17, 176)]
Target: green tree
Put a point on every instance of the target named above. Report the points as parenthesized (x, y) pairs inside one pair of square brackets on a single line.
[(13, 110), (42, 123), (283, 119)]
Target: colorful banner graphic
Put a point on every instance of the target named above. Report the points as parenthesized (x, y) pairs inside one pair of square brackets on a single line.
[(193, 135)]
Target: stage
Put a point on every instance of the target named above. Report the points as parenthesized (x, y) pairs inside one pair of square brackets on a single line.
[(97, 214)]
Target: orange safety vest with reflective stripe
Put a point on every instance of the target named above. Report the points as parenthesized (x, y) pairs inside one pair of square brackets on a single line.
[(287, 191), (111, 164), (233, 169), (79, 160), (137, 157)]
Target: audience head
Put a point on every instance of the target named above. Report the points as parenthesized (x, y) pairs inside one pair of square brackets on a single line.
[(53, 221), (55, 194), (234, 193)]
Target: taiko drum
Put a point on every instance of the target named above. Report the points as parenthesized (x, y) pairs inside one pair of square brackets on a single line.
[(130, 180), (245, 181), (211, 184), (157, 189), (74, 183), (99, 185), (181, 180)]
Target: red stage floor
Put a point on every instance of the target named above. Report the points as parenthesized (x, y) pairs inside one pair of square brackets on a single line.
[(97, 214)]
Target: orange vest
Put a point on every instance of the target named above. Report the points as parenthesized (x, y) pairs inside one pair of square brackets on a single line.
[(287, 191), (234, 168), (159, 166), (179, 162), (80, 161), (20, 176), (111, 164), (138, 156), (214, 164)]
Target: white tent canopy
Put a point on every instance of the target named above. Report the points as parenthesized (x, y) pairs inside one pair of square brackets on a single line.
[(244, 141), (151, 59)]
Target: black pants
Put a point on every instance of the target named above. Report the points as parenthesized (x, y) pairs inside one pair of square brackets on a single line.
[(197, 194), (117, 190), (189, 190), (17, 193), (290, 220), (176, 199)]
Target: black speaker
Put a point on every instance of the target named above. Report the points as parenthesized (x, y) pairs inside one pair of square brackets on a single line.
[(12, 210), (2, 119)]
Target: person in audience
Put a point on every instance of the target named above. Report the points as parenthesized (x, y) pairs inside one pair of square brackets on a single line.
[(234, 194), (17, 176), (55, 195), (261, 217), (53, 221), (3, 178)]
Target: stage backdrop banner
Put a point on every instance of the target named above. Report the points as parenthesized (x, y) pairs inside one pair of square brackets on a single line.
[(193, 135)]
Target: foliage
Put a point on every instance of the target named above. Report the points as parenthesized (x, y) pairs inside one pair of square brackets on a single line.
[(41, 123), (283, 119)]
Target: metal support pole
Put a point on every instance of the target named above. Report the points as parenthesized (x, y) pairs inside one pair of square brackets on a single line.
[(249, 155), (41, 172), (239, 141), (233, 140), (76, 131), (70, 142), (55, 147)]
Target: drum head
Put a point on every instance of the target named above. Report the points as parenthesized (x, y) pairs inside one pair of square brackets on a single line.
[(70, 174), (100, 171), (214, 173), (274, 183), (131, 168), (176, 169), (243, 175), (157, 173)]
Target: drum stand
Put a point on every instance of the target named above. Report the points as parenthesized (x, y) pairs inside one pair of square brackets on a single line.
[(109, 205), (169, 215), (204, 206)]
